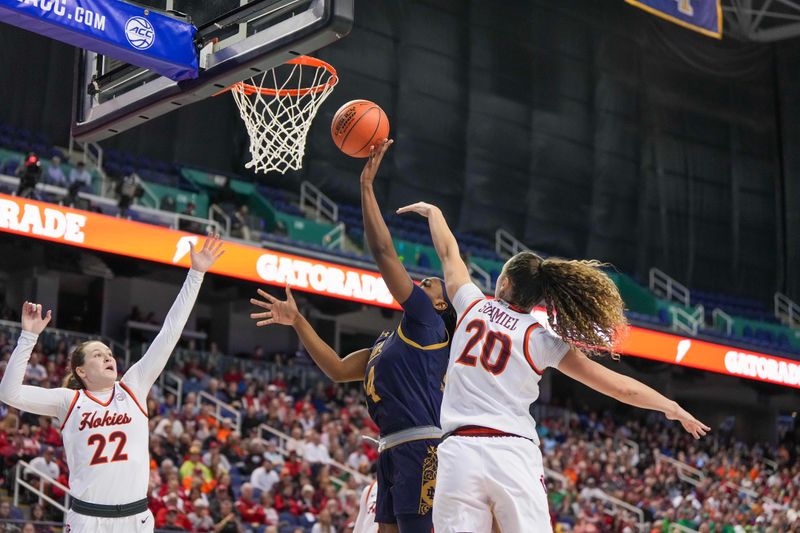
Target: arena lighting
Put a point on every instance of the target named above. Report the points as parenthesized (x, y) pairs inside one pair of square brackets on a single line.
[(93, 231)]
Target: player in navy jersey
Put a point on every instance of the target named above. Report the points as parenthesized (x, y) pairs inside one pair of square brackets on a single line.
[(403, 372)]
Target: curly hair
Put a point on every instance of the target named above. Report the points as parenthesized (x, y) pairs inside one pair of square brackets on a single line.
[(583, 304)]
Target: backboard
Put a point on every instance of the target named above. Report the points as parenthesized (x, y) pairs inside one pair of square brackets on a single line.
[(236, 38)]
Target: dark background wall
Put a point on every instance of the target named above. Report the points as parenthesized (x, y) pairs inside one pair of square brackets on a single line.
[(587, 128)]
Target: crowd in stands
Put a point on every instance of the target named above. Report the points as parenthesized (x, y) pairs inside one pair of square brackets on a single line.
[(205, 476), (737, 489)]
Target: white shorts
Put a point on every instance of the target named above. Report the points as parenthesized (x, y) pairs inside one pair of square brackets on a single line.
[(483, 476), (138, 523)]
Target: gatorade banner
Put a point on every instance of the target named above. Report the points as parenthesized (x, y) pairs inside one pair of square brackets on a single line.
[(123, 31), (73, 227), (704, 16)]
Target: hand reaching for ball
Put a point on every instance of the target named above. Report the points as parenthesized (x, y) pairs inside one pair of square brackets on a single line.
[(376, 154)]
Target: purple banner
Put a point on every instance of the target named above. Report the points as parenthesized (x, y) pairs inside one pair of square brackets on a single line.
[(704, 16)]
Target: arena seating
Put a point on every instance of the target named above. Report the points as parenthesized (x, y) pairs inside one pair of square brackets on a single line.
[(600, 467), (276, 217)]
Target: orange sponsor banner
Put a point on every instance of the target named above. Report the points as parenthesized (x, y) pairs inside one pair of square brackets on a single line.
[(704, 355), (154, 243)]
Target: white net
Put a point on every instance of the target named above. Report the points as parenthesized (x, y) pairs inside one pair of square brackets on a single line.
[(278, 106)]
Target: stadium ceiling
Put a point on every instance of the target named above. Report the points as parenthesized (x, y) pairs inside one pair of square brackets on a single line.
[(761, 20)]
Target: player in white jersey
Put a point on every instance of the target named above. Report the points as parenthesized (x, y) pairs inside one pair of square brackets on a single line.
[(103, 421), (365, 521), (489, 459)]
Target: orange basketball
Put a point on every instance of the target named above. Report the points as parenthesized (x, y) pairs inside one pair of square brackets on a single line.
[(358, 125)]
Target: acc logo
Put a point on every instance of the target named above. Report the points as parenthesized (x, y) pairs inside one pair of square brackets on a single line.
[(140, 33)]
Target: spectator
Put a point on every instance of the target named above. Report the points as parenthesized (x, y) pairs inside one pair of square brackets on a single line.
[(240, 223), (227, 521), (189, 225), (264, 477), (129, 189), (226, 198), (45, 464), (36, 373), (8, 511), (200, 517), (29, 174), (249, 509), (79, 179), (38, 515), (324, 523), (193, 463), (55, 175), (314, 451)]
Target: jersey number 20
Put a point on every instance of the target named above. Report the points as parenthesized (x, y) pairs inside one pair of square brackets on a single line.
[(98, 458), (478, 329)]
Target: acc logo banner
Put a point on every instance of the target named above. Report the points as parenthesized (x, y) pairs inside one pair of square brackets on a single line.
[(140, 33), (704, 16)]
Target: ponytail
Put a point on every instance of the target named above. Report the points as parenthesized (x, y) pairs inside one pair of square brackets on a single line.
[(583, 304), (76, 359)]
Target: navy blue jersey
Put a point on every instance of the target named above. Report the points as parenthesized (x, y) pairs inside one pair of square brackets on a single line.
[(405, 373)]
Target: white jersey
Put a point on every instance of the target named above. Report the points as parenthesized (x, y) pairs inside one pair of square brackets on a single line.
[(365, 521), (497, 357), (106, 446)]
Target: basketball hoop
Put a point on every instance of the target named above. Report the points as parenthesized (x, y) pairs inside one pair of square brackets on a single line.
[(278, 106)]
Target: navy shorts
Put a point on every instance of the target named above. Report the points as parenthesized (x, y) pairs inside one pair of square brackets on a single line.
[(406, 481)]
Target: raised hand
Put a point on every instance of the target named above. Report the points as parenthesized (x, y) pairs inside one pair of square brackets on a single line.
[(693, 426), (208, 254), (376, 154), (32, 320), (421, 208), (277, 311)]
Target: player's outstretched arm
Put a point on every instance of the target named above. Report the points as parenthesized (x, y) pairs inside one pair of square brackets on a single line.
[(456, 273), (379, 240), (285, 312), (37, 400), (141, 376), (576, 365)]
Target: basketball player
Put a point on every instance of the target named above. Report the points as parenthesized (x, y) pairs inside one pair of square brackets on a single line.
[(490, 458), (103, 421), (365, 521), (403, 372)]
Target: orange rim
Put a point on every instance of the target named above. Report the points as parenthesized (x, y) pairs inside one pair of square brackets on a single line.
[(306, 61)]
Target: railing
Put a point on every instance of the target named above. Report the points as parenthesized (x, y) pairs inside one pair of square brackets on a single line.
[(686, 473), (216, 211), (688, 323), (206, 222), (44, 480), (335, 238), (506, 245), (314, 199), (769, 463), (722, 320), (616, 504), (54, 336), (552, 474), (306, 375), (149, 195), (284, 439), (786, 310), (483, 278), (666, 287), (176, 388), (219, 407)]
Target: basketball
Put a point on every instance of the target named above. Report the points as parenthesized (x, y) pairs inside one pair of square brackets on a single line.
[(357, 125)]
